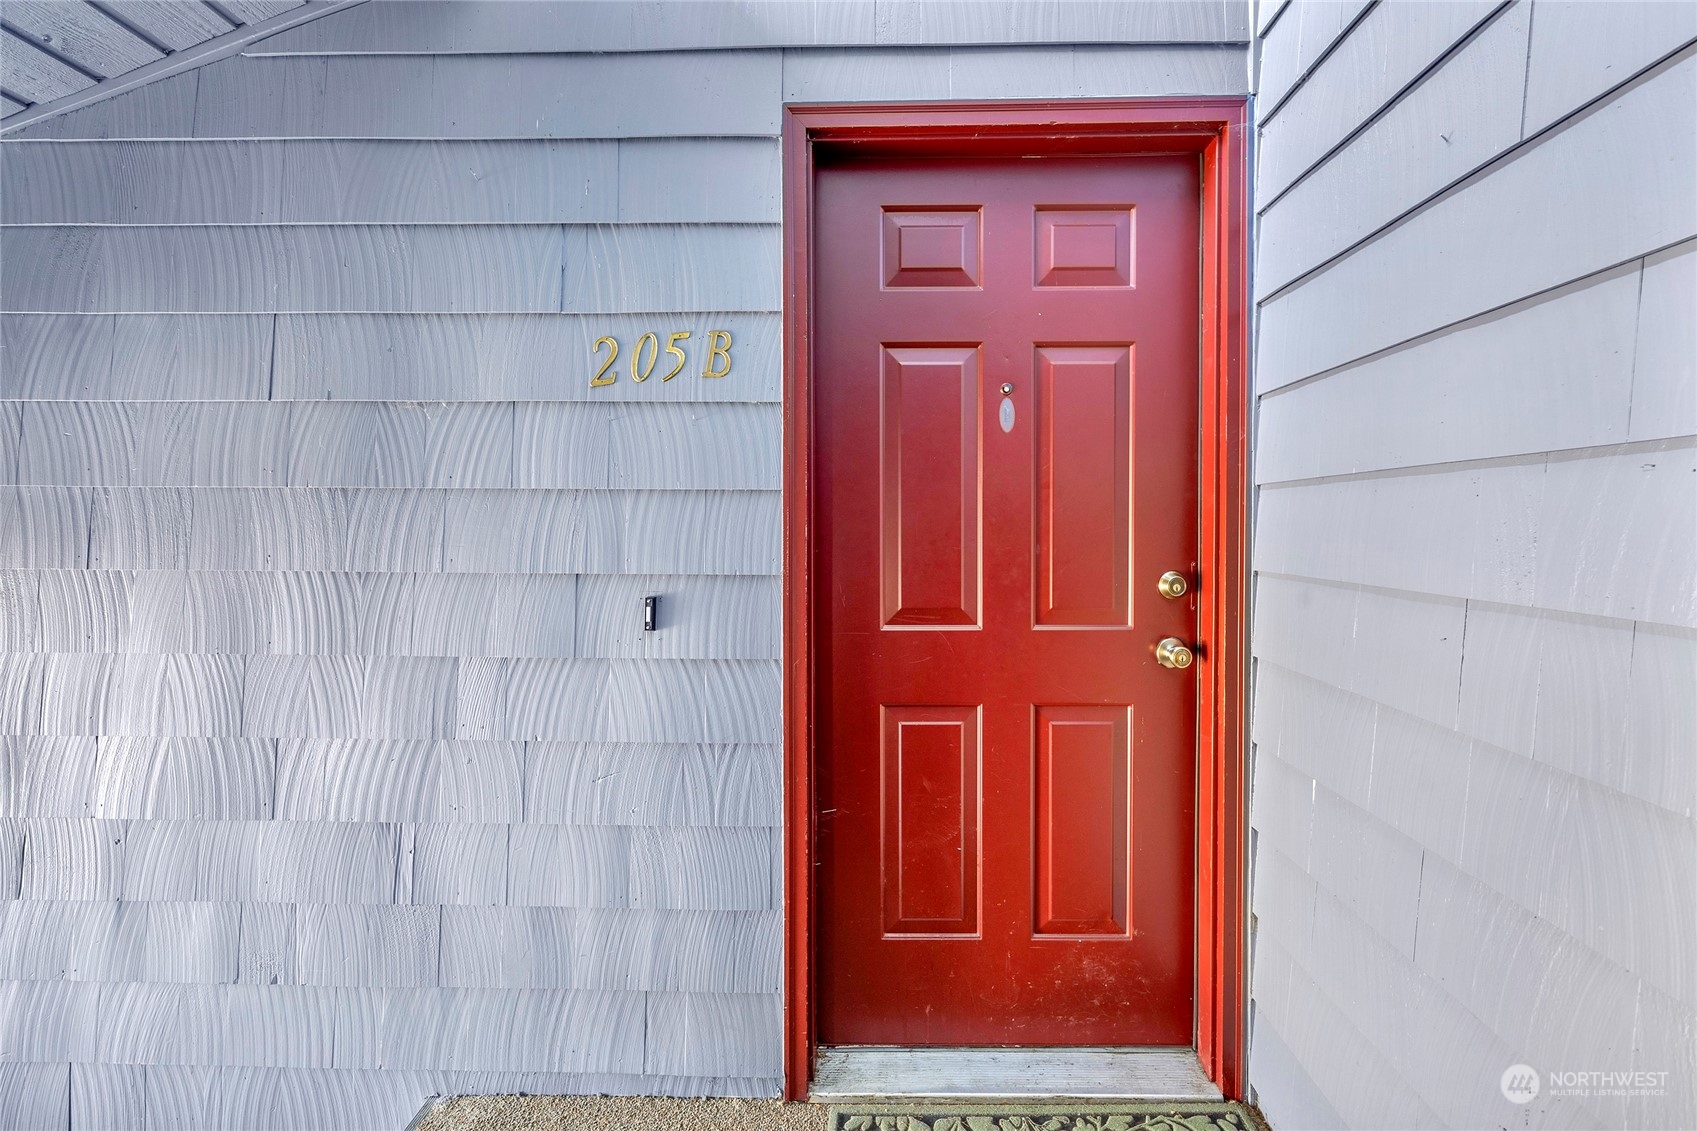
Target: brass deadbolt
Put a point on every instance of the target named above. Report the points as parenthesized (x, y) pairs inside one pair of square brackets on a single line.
[(1172, 585), (1174, 653)]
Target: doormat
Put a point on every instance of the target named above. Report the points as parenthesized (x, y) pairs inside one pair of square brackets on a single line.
[(1079, 1115)]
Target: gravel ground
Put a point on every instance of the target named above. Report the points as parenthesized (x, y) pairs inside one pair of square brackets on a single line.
[(618, 1113)]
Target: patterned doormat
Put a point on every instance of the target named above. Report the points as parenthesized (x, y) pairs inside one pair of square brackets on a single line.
[(1079, 1115)]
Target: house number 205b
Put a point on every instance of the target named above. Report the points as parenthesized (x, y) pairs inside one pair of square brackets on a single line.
[(645, 357)]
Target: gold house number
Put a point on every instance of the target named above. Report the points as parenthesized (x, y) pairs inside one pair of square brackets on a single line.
[(647, 353)]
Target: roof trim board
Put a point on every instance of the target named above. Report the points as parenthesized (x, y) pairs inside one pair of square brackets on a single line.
[(187, 58)]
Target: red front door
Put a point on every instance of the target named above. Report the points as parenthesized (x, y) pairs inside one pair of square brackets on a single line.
[(1006, 380)]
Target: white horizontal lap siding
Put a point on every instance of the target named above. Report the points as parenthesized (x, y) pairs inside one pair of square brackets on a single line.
[(1476, 625), (336, 770)]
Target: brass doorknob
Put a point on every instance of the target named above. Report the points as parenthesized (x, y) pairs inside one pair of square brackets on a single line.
[(1174, 653), (1172, 585)]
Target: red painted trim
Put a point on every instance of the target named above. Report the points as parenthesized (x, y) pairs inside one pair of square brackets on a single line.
[(1221, 975), (798, 613), (1215, 129)]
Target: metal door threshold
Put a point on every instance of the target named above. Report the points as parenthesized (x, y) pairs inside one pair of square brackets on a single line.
[(1148, 1073)]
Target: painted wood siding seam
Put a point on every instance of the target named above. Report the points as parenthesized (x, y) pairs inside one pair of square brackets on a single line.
[(1578, 341), (1334, 35), (1663, 397), (81, 941), (1455, 122), (1309, 989), (1498, 160), (1368, 751), (15, 471), (1579, 52), (650, 950), (1284, 1089), (1347, 1024), (1538, 295), (1360, 1083), (1528, 534), (1377, 110), (1511, 842), (1606, 127), (1526, 74), (1613, 998), (115, 357), (1512, 460), (14, 842), (36, 1095), (1267, 14), (1401, 648)]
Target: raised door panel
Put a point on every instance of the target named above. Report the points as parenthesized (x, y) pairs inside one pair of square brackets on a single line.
[(930, 520), (933, 249), (930, 866), (1084, 518), (1078, 247), (1083, 821)]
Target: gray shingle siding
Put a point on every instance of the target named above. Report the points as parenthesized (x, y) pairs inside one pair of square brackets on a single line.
[(336, 771), (1475, 626)]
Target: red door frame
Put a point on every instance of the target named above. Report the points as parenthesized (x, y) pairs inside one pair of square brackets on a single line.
[(1213, 128)]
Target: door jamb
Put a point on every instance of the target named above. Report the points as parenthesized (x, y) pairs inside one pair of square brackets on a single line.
[(1214, 128)]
